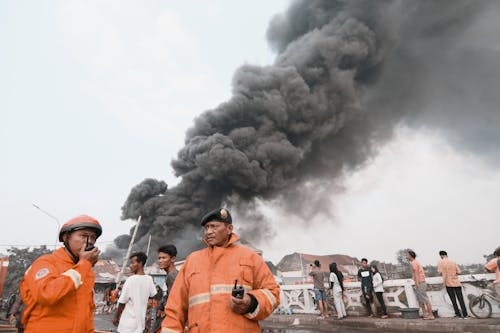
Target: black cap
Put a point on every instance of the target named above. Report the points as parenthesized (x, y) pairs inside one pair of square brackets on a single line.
[(219, 215)]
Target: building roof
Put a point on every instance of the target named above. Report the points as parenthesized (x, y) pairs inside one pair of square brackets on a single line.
[(298, 261), (106, 271)]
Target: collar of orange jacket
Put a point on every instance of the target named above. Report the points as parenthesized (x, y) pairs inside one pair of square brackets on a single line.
[(233, 239), (63, 254)]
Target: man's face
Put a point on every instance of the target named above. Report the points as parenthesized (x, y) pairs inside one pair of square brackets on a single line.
[(77, 239), (410, 258), (364, 264), (165, 260), (134, 265), (217, 233)]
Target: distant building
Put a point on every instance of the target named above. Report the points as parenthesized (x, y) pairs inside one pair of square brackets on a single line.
[(293, 268), (4, 265), (106, 272)]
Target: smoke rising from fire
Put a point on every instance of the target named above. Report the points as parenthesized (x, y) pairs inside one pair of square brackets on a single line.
[(346, 74)]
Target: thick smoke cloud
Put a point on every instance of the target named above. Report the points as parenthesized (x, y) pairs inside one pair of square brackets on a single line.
[(347, 73)]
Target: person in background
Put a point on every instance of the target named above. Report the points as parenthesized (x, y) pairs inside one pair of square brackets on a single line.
[(131, 313), (319, 288), (152, 310), (167, 255), (106, 296), (493, 266), (16, 312), (114, 295), (420, 286), (58, 288), (166, 261), (450, 272), (378, 287), (337, 286), (365, 275)]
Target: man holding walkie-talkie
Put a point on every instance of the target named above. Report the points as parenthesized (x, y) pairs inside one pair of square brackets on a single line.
[(58, 288), (225, 287)]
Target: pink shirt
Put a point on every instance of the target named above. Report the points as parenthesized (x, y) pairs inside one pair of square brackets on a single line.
[(418, 271), (450, 271), (492, 265)]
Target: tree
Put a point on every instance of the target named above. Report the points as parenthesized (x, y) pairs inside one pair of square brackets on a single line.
[(431, 270), (488, 257), (401, 257), (19, 261), (404, 264)]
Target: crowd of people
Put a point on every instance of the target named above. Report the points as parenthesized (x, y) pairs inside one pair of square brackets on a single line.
[(224, 280), (372, 286)]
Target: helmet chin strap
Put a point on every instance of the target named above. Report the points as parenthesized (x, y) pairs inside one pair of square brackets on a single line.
[(71, 254)]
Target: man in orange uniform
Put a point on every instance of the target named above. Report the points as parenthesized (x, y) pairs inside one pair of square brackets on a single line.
[(450, 271), (58, 288), (493, 266), (201, 299)]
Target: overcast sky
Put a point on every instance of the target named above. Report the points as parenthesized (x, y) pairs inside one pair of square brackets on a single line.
[(97, 95)]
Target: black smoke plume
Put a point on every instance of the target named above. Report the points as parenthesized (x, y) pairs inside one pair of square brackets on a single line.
[(346, 75)]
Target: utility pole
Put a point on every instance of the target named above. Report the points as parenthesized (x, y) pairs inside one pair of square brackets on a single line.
[(119, 276), (149, 244)]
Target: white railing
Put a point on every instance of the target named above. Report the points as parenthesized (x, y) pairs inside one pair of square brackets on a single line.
[(398, 294)]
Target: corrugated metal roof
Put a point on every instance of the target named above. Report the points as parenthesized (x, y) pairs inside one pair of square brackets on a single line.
[(106, 271)]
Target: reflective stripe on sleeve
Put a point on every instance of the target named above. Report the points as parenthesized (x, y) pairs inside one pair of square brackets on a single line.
[(75, 277), (270, 296)]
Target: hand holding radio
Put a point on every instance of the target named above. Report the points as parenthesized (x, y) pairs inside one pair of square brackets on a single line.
[(89, 252), (89, 247), (240, 301), (238, 292)]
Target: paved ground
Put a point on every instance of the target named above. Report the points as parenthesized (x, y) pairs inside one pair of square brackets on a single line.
[(310, 323), (441, 325), (103, 322)]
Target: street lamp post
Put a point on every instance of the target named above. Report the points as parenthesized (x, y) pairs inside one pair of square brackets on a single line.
[(55, 219)]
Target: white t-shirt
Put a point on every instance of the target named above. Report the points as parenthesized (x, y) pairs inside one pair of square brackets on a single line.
[(336, 284), (378, 283), (136, 291)]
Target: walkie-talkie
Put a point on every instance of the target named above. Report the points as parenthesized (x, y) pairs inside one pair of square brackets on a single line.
[(89, 247), (238, 292)]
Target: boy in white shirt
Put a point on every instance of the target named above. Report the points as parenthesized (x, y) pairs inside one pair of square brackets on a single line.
[(132, 304)]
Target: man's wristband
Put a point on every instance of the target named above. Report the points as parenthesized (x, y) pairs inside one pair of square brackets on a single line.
[(253, 304)]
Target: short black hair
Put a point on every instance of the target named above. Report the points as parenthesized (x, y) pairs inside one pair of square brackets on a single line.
[(412, 254), (443, 253), (497, 252), (141, 257), (364, 259), (316, 263), (169, 249)]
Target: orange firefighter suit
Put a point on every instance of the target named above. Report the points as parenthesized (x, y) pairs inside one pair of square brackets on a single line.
[(58, 295), (200, 297)]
